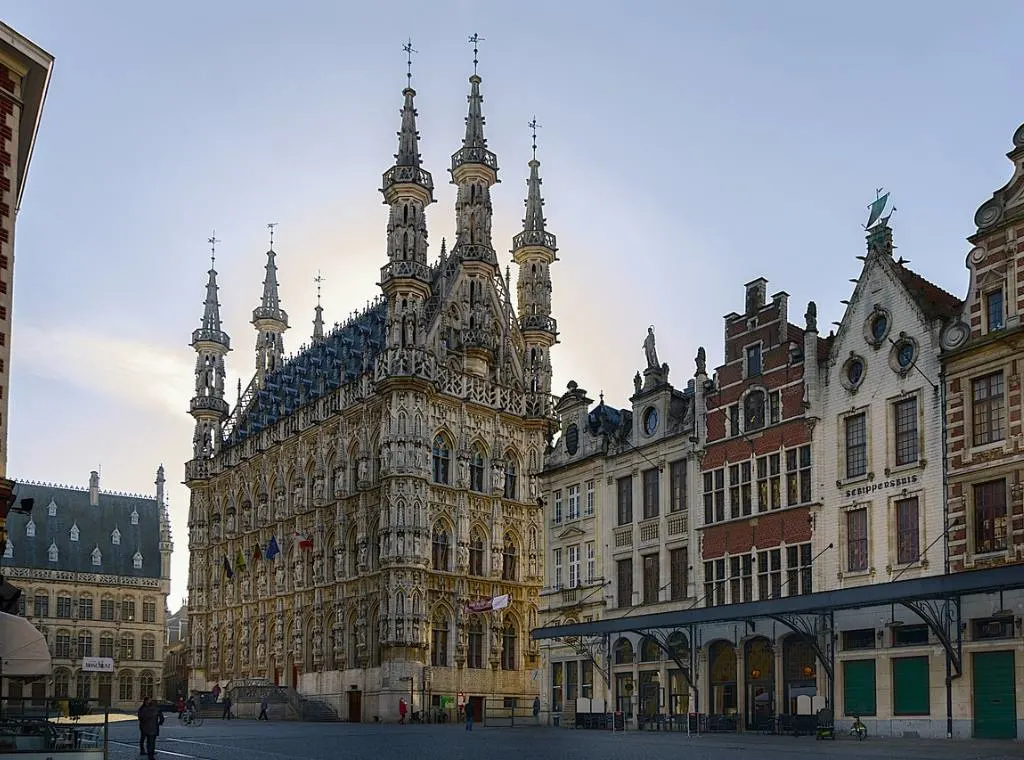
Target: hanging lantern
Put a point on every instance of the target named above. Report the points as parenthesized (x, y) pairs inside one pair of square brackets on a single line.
[(808, 671), (755, 674)]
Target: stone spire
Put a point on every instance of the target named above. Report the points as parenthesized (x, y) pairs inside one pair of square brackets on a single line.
[(269, 319), (408, 189), (533, 250), (318, 320), (211, 344)]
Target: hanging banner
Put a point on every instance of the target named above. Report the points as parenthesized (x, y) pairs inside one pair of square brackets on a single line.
[(487, 605)]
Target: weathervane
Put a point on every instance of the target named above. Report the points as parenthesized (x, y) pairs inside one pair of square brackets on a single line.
[(271, 226), (533, 125), (409, 50), (475, 39), (212, 240), (318, 279), (876, 207)]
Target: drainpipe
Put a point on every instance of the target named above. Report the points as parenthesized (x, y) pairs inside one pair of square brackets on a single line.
[(945, 542)]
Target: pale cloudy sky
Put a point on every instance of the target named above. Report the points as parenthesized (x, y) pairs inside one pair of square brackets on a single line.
[(687, 148)]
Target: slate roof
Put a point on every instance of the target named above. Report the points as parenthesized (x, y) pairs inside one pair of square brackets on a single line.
[(933, 301), (315, 371), (95, 528)]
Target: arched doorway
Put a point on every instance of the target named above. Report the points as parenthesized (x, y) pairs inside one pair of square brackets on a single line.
[(799, 671), (678, 682), (759, 674), (722, 677)]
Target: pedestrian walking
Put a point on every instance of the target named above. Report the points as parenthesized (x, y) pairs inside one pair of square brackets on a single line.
[(469, 716), (227, 708), (264, 703), (150, 719), (536, 710), (403, 708)]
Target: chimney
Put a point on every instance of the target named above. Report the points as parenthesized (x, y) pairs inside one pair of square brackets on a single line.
[(94, 488)]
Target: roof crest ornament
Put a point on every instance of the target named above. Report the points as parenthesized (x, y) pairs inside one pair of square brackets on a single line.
[(212, 240), (408, 49), (271, 226), (475, 39), (533, 125)]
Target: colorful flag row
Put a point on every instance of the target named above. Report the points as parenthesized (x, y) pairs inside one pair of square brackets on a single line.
[(271, 551)]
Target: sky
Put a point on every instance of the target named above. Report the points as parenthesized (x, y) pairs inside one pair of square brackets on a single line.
[(686, 148)]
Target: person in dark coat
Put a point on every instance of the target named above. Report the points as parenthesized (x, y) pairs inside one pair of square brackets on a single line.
[(150, 719)]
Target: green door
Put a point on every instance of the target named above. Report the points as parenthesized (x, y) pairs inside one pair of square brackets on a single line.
[(994, 703)]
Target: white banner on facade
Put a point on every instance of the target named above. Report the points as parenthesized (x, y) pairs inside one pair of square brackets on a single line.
[(488, 605), (97, 664), (499, 602)]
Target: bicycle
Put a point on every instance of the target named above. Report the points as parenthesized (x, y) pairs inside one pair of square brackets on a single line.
[(190, 718)]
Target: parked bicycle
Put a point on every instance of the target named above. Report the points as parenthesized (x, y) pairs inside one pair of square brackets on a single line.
[(858, 728)]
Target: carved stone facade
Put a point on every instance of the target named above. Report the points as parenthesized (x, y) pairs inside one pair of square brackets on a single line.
[(390, 463)]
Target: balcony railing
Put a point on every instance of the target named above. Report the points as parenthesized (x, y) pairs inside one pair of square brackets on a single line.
[(649, 530), (677, 524), (623, 536)]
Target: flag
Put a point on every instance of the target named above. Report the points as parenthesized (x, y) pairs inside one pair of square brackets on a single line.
[(227, 568), (272, 548), (257, 554), (303, 542), (240, 561)]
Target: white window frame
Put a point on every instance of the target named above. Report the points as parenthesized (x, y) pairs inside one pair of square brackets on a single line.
[(557, 563), (574, 501), (574, 565)]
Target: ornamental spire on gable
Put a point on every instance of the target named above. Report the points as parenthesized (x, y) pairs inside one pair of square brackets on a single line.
[(269, 319)]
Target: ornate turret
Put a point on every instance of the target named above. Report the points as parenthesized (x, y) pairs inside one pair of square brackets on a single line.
[(269, 319), (408, 189), (318, 320), (166, 542), (474, 170), (211, 344), (533, 250)]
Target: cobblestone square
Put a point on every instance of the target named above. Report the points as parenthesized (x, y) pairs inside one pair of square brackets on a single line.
[(218, 740)]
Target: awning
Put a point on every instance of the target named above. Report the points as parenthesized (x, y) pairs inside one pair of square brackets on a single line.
[(23, 650)]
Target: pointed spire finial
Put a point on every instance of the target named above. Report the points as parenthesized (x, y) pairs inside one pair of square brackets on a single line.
[(533, 125), (475, 39), (409, 50), (271, 226), (318, 320), (318, 279)]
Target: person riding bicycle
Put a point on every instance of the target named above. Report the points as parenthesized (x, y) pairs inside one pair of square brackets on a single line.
[(191, 709), (858, 728)]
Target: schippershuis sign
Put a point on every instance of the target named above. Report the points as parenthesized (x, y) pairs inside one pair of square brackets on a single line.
[(97, 665), (883, 485)]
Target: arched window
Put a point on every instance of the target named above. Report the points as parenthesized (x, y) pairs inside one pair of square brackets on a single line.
[(649, 650), (127, 646), (476, 471), (61, 683), (440, 548), (125, 684), (146, 685), (439, 640), (106, 644), (511, 482), (508, 647), (442, 461), (84, 644), (475, 644), (509, 565), (623, 652), (476, 554)]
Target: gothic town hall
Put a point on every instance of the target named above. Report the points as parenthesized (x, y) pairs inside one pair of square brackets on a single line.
[(365, 490)]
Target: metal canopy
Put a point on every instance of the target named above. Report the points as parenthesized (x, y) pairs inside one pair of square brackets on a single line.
[(946, 587)]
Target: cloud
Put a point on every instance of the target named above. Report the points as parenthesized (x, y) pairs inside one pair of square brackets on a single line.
[(140, 373)]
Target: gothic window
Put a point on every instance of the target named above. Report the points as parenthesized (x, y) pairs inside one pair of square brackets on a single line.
[(146, 685), (511, 482), (439, 640), (508, 647), (51, 508), (440, 549), (508, 563), (137, 561), (753, 410), (115, 537), (30, 528), (476, 555), (442, 460), (476, 471), (52, 553), (74, 532), (475, 644), (135, 516), (97, 557)]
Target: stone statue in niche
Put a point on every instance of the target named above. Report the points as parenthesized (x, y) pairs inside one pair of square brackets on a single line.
[(216, 596), (247, 516), (279, 577), (297, 638), (385, 458), (339, 562), (650, 351), (497, 475), (318, 568), (297, 574), (533, 486), (362, 556), (638, 383), (246, 587), (318, 641), (216, 530), (364, 470), (299, 496), (495, 641), (339, 482), (231, 521), (463, 556), (495, 559), (261, 509), (261, 651), (318, 489), (280, 509)]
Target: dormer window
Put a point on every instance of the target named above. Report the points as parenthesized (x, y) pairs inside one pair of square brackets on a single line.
[(9, 551), (754, 360), (74, 532), (30, 528), (994, 310), (137, 561), (51, 508), (52, 552), (97, 557), (135, 516), (115, 537)]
